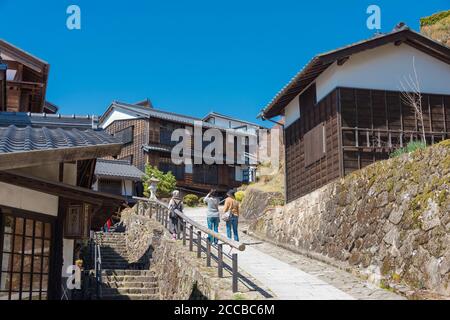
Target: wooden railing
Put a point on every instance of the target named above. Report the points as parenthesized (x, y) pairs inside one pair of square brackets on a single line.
[(96, 260), (187, 228), (383, 138)]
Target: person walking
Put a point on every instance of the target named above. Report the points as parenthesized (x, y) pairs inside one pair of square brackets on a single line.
[(212, 214), (175, 203), (231, 210)]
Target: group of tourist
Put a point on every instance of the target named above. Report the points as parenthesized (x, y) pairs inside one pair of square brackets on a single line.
[(230, 214)]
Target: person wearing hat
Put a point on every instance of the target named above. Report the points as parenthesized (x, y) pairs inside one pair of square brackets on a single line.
[(174, 204), (232, 206)]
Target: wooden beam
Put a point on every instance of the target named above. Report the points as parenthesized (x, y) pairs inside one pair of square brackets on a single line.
[(15, 160), (342, 61), (61, 189)]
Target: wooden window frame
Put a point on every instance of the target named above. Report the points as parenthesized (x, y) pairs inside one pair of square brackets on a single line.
[(35, 217)]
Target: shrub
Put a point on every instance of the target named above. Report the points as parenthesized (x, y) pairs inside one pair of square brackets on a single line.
[(239, 196), (167, 181), (428, 21), (191, 200), (201, 201), (410, 147)]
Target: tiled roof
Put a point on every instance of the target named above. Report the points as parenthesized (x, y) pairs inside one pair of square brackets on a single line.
[(144, 112), (21, 132), (47, 120), (321, 62), (150, 112), (217, 114), (154, 147), (117, 168)]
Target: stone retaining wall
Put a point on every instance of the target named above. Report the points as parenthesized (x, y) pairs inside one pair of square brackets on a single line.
[(390, 221), (256, 202), (181, 276)]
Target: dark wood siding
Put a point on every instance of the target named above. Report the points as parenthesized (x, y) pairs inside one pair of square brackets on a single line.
[(361, 127), (376, 122), (133, 150), (158, 132), (303, 178)]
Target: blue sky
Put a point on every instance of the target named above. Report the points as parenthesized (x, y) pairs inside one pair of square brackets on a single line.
[(189, 57)]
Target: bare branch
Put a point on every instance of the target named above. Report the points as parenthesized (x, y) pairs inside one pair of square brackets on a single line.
[(411, 95)]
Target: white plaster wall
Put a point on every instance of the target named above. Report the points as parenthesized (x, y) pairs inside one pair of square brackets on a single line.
[(48, 171), (70, 173), (127, 188), (27, 199), (226, 123), (384, 68), (68, 245), (292, 111), (95, 185), (117, 115)]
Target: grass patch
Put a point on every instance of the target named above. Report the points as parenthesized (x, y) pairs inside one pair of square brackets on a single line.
[(410, 147)]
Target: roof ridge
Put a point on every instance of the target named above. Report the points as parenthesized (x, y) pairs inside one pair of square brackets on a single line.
[(48, 115), (155, 110), (116, 161), (24, 52)]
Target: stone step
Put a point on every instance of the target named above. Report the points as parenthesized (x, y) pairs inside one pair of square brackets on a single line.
[(113, 256), (125, 272), (128, 291), (115, 259), (115, 248), (141, 279), (115, 265), (113, 243), (131, 297), (130, 284), (113, 251), (123, 266)]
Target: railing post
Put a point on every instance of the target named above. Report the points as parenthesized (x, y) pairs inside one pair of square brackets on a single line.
[(191, 235), (199, 244), (235, 272), (220, 260), (166, 218), (184, 233), (208, 252), (178, 228)]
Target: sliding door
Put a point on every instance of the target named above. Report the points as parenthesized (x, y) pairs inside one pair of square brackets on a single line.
[(25, 254)]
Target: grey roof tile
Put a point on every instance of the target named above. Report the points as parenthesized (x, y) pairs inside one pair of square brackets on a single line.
[(117, 168), (47, 120), (154, 147), (20, 132)]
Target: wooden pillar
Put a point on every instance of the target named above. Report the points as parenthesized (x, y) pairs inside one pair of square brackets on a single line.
[(3, 100), (56, 255)]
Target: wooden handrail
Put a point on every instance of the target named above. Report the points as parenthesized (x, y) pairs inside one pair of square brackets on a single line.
[(234, 244)]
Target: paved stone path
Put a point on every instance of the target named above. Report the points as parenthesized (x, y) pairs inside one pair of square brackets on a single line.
[(292, 276)]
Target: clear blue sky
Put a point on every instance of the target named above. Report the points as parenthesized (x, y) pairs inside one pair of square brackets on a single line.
[(188, 56)]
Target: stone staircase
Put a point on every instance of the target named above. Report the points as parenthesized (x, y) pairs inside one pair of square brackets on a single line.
[(119, 280)]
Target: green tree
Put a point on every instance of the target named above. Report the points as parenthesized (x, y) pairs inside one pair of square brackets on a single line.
[(167, 181)]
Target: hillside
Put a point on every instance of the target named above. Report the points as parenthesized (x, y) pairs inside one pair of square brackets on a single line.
[(437, 27)]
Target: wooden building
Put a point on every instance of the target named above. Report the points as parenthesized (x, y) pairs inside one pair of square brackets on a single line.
[(46, 203), (118, 177), (146, 133), (23, 81), (345, 109)]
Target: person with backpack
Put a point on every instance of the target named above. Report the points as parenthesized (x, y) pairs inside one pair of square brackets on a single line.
[(174, 204), (231, 215)]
